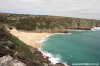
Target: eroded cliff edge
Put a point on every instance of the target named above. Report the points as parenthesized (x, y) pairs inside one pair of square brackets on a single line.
[(14, 52), (44, 23), (37, 23)]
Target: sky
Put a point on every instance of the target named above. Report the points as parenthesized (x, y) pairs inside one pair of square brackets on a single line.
[(89, 9)]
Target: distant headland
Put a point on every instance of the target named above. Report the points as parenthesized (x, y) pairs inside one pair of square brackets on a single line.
[(45, 23), (19, 33)]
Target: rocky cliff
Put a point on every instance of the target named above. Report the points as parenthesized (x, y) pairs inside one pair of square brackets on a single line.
[(14, 52), (9, 61), (43, 23)]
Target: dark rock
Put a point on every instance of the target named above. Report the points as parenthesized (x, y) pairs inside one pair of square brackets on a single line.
[(10, 45), (40, 24), (37, 53), (5, 51), (10, 28), (59, 64)]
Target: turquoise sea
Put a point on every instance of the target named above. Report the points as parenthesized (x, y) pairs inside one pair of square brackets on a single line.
[(77, 48)]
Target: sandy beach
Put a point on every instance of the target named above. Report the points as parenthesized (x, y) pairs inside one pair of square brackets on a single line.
[(29, 38)]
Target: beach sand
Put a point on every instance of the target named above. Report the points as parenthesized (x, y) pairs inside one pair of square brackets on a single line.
[(29, 38)]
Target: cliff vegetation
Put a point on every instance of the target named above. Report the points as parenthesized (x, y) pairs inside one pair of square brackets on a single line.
[(15, 50), (19, 51), (44, 23)]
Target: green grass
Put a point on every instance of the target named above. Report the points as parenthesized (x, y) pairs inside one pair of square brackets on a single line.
[(6, 51), (25, 49)]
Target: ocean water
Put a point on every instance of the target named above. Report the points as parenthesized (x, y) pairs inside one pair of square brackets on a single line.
[(77, 48)]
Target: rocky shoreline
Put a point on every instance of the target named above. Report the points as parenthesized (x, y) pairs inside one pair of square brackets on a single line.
[(15, 55), (45, 23), (17, 60), (22, 54)]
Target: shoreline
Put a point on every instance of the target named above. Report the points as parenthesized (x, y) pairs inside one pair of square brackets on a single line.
[(51, 58), (35, 40), (30, 38)]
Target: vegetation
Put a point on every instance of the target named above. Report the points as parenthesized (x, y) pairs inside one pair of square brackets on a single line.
[(38, 22), (22, 49), (35, 23), (5, 51)]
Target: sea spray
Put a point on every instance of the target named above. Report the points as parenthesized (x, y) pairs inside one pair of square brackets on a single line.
[(92, 29), (48, 35), (77, 47), (53, 59), (44, 39), (95, 29)]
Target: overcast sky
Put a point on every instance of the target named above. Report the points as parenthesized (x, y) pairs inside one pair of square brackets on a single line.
[(69, 8)]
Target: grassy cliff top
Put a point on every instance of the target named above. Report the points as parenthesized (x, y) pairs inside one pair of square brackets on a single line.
[(45, 23)]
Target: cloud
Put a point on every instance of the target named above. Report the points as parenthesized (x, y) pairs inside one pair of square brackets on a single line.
[(70, 8)]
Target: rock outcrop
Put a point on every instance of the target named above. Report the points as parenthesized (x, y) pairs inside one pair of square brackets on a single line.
[(43, 23), (37, 53), (14, 52), (59, 64), (9, 61), (18, 53)]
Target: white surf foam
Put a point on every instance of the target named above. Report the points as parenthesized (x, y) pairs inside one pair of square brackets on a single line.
[(95, 29), (68, 33), (62, 33), (53, 59), (78, 30), (48, 35), (44, 38)]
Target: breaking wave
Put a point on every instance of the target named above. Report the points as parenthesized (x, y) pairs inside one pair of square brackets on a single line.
[(53, 59), (95, 29)]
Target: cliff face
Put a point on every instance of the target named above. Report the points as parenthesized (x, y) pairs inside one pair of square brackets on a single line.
[(40, 23), (14, 52), (22, 54)]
